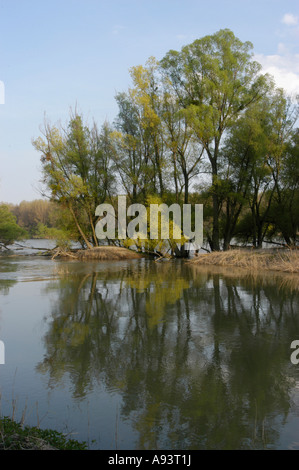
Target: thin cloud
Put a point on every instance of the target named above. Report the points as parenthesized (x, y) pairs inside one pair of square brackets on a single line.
[(181, 36), (284, 67), (117, 29), (290, 19)]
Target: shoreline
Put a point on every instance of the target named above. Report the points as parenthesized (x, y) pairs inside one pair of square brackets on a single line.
[(282, 260), (101, 253), (15, 436), (279, 260)]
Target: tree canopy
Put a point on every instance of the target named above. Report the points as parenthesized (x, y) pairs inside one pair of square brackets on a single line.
[(10, 231), (202, 125)]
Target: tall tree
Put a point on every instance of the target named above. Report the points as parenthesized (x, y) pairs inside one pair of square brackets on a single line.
[(254, 163), (10, 231), (185, 152), (147, 98), (77, 171), (284, 214), (215, 80), (131, 155), (245, 176)]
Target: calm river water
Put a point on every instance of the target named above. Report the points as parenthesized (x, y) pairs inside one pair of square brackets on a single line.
[(150, 355)]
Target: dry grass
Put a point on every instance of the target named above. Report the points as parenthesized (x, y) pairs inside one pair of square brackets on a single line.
[(279, 260), (104, 253)]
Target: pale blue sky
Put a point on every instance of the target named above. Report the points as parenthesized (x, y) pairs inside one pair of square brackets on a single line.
[(54, 54)]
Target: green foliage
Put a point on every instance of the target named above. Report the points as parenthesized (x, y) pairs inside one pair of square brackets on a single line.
[(31, 213), (76, 167), (51, 233), (204, 112), (16, 437), (159, 245), (62, 236), (10, 231), (216, 81)]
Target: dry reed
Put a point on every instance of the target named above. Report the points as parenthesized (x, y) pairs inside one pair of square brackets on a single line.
[(104, 253), (253, 260)]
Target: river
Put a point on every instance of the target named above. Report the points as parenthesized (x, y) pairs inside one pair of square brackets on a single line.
[(150, 355)]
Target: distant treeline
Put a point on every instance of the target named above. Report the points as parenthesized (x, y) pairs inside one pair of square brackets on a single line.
[(32, 214), (39, 218)]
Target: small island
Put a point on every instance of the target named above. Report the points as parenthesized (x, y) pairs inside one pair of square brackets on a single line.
[(282, 260)]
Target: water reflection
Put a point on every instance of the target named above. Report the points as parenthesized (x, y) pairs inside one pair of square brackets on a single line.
[(201, 359)]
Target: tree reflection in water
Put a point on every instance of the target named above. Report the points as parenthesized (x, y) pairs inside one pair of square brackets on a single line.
[(200, 358)]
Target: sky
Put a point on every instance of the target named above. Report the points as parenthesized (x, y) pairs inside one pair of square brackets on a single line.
[(56, 55)]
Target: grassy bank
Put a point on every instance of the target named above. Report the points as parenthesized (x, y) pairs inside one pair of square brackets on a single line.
[(253, 260), (104, 253), (13, 436)]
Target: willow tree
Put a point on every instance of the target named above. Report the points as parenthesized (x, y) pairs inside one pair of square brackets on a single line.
[(146, 96), (155, 148), (256, 172), (140, 150), (215, 80), (131, 154), (286, 214), (185, 152), (283, 161), (10, 231), (76, 165), (246, 177)]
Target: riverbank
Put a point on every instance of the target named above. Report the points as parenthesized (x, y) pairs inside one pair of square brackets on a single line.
[(104, 253), (13, 436), (253, 260)]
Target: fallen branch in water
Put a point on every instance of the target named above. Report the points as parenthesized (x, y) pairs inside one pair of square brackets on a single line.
[(2, 245), (58, 251), (164, 256), (284, 245), (35, 248)]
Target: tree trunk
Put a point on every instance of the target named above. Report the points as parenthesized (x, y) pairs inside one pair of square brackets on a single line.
[(79, 228), (175, 177), (93, 229), (215, 234), (186, 181)]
